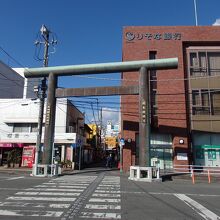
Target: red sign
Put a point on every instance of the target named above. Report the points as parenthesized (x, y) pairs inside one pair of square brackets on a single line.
[(28, 156)]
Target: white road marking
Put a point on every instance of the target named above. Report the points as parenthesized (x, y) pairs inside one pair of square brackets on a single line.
[(16, 178), (162, 193), (54, 189), (201, 210), (108, 188), (76, 178), (100, 215), (60, 199), (59, 206), (70, 184), (35, 205), (91, 206), (47, 193), (105, 195), (104, 200), (113, 182), (107, 191), (30, 213), (62, 186)]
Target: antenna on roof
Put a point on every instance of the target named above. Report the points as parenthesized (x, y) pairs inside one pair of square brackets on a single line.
[(195, 8)]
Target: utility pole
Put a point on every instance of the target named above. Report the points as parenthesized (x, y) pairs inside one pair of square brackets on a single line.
[(41, 95), (101, 127)]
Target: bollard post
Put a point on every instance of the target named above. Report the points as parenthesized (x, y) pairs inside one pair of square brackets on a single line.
[(158, 173), (193, 177), (209, 177)]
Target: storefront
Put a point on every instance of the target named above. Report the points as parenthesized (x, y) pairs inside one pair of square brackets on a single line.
[(207, 155), (206, 149), (161, 150), (6, 148)]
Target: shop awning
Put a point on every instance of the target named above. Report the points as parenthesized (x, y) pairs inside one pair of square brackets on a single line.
[(9, 145)]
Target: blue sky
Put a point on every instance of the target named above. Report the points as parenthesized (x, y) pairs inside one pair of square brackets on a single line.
[(89, 31)]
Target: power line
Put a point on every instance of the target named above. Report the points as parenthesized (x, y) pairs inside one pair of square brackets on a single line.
[(172, 111), (152, 80)]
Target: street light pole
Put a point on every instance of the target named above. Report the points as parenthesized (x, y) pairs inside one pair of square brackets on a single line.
[(79, 142)]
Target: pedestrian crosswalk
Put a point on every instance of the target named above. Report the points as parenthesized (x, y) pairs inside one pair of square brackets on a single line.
[(58, 196), (85, 197), (105, 202), (50, 199)]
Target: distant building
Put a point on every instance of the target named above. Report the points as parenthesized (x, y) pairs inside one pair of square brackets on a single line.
[(112, 130), (29, 84), (111, 143), (12, 84), (185, 106), (88, 147)]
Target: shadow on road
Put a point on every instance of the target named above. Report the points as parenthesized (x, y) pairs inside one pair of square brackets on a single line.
[(92, 168)]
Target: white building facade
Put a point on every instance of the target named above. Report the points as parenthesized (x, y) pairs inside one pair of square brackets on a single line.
[(18, 127), (19, 112)]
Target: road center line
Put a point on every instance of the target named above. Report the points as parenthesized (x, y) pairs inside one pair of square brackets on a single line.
[(201, 210)]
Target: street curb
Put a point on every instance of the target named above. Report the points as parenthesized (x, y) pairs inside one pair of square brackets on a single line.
[(15, 171)]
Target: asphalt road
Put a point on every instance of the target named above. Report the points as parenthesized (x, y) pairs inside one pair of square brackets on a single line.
[(105, 194)]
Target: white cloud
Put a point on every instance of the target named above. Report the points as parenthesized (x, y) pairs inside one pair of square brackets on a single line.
[(217, 22), (110, 114)]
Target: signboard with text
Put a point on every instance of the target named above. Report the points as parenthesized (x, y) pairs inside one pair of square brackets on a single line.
[(130, 36)]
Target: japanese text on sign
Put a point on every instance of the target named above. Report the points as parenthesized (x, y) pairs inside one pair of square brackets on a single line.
[(47, 120), (129, 36)]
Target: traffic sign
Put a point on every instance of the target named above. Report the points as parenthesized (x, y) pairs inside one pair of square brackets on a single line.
[(122, 141), (73, 145)]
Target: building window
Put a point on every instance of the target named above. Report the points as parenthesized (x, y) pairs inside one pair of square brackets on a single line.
[(71, 128), (211, 154), (34, 127), (204, 63), (21, 127), (205, 102), (25, 127), (199, 153), (215, 100), (154, 102), (153, 73)]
